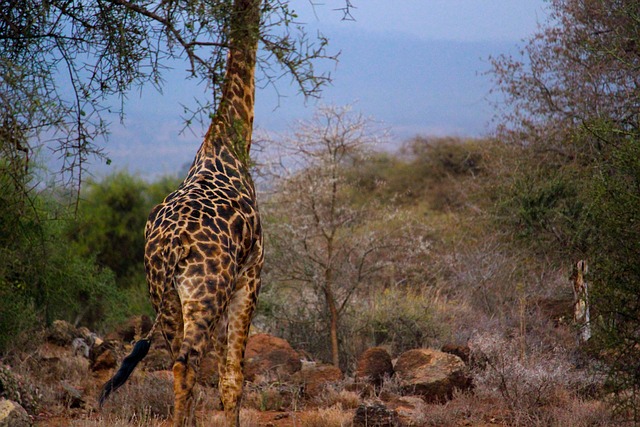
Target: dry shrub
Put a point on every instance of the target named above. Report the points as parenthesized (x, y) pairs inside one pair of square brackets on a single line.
[(401, 319), (391, 386), (145, 397), (536, 386), (346, 399), (334, 416), (207, 398), (336, 395), (48, 371), (463, 409), (583, 413), (248, 418), (277, 396), (117, 421)]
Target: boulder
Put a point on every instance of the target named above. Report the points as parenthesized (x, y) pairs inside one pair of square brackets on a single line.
[(72, 396), (431, 374), (105, 355), (105, 360), (462, 351), (91, 338), (132, 329), (13, 415), (258, 344), (62, 333), (373, 365), (411, 409), (314, 379), (80, 347), (268, 358), (375, 415)]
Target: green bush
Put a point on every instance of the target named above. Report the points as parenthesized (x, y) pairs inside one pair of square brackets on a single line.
[(401, 319), (48, 258), (615, 270), (17, 313), (543, 205), (440, 158)]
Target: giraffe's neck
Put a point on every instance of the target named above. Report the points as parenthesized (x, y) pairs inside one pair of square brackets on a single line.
[(232, 124)]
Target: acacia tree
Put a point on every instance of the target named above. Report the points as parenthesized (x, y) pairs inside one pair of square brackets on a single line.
[(64, 62), (574, 104), (321, 243), (578, 71)]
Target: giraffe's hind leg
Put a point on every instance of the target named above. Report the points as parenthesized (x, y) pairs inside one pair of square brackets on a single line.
[(199, 315), (171, 323), (220, 345), (240, 312)]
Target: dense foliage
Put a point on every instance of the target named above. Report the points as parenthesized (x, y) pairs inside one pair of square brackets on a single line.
[(42, 278), (573, 110), (84, 268), (66, 66)]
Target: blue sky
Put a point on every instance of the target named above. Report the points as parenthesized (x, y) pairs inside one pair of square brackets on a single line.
[(416, 66)]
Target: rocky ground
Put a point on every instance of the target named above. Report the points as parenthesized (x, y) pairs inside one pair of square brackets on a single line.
[(57, 384)]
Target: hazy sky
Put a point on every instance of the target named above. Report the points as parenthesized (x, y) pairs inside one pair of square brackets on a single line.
[(417, 66)]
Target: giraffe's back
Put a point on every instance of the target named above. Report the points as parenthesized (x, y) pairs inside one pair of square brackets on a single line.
[(209, 227)]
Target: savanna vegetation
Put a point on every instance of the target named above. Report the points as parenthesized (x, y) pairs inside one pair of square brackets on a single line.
[(470, 241)]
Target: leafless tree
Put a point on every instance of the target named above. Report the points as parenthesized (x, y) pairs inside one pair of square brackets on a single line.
[(321, 240)]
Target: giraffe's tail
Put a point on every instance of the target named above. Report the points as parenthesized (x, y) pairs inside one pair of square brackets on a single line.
[(140, 350)]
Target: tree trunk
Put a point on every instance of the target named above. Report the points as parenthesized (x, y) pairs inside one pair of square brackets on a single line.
[(333, 316), (581, 302), (333, 310)]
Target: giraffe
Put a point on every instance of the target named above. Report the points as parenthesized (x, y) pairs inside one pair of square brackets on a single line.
[(203, 251)]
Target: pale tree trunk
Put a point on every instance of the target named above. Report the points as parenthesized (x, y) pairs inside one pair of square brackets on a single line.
[(581, 302)]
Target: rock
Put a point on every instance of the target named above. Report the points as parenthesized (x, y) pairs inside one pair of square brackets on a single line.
[(71, 396), (269, 358), (263, 343), (62, 333), (96, 358), (91, 338), (373, 365), (13, 415), (431, 374), (80, 347), (375, 415), (132, 329), (462, 351), (411, 409), (314, 379), (105, 360)]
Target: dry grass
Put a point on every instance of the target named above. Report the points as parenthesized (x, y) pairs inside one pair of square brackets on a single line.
[(278, 396), (145, 397), (248, 418), (334, 416), (117, 421), (534, 387)]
